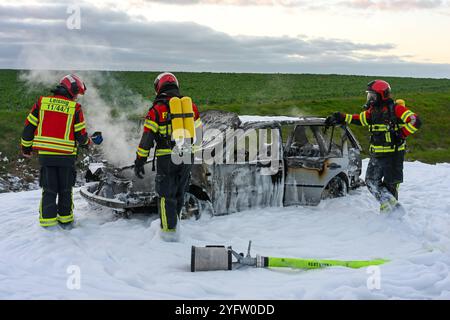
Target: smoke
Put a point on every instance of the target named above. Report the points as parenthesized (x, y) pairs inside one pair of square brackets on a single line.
[(35, 79), (107, 106), (110, 115), (296, 112)]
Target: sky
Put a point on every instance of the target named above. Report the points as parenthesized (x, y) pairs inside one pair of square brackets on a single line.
[(364, 37)]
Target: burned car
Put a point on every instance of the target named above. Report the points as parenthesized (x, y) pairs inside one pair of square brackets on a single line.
[(245, 162)]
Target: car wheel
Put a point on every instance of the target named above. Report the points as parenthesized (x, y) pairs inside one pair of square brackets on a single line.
[(195, 207), (191, 207), (337, 187)]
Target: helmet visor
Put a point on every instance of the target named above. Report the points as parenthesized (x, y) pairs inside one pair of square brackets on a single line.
[(371, 96)]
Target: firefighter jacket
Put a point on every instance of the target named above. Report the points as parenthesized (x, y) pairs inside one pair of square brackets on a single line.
[(54, 127), (158, 127), (389, 125)]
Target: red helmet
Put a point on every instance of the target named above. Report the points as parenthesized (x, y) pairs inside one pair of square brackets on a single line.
[(164, 79), (379, 87), (73, 84)]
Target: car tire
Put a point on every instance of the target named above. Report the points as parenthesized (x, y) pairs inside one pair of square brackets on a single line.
[(337, 187), (191, 207)]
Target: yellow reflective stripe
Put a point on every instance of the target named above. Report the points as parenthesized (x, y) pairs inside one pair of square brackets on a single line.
[(406, 114), (80, 126), (410, 128), (142, 152), (64, 142), (197, 123), (348, 118), (378, 127), (163, 129), (41, 117), (66, 219), (48, 222), (33, 120), (52, 146), (163, 214), (68, 127), (363, 118), (152, 125), (45, 222), (40, 205), (57, 153), (55, 143), (163, 152), (26, 143), (386, 147), (388, 136), (383, 149)]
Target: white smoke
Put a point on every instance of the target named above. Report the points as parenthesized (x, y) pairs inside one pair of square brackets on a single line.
[(121, 135), (108, 115), (35, 78), (106, 104)]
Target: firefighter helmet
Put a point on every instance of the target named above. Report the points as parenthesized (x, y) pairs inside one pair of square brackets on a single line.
[(164, 79), (381, 88), (73, 84)]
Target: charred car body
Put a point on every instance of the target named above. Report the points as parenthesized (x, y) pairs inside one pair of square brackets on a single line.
[(308, 162)]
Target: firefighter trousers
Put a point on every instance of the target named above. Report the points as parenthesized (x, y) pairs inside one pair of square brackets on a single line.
[(171, 183), (56, 203), (384, 175)]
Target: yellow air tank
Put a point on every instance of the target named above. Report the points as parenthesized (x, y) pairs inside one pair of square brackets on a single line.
[(188, 118), (176, 113)]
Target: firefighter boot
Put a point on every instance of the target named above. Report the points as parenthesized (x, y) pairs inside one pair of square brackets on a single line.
[(392, 208), (66, 226), (169, 219), (387, 206), (171, 235)]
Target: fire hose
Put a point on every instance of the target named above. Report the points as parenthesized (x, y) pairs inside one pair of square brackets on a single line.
[(211, 258)]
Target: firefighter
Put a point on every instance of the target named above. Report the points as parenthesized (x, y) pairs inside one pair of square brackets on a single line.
[(172, 177), (54, 127), (390, 123)]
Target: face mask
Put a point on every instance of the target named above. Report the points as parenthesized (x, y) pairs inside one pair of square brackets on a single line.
[(371, 97)]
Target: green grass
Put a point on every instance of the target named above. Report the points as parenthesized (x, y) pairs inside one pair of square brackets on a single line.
[(262, 94)]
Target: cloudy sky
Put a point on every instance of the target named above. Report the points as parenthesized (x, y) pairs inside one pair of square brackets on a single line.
[(369, 37)]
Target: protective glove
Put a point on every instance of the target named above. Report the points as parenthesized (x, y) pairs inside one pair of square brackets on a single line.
[(139, 170), (97, 137), (334, 119), (26, 152)]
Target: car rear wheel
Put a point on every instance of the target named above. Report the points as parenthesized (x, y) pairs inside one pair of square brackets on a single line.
[(195, 207), (337, 187)]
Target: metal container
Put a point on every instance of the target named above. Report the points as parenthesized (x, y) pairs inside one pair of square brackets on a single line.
[(210, 258)]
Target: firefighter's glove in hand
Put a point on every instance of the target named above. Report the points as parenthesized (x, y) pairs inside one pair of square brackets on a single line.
[(139, 170), (26, 152), (334, 119), (97, 137)]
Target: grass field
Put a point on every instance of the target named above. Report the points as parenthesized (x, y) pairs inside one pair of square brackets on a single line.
[(263, 94)]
